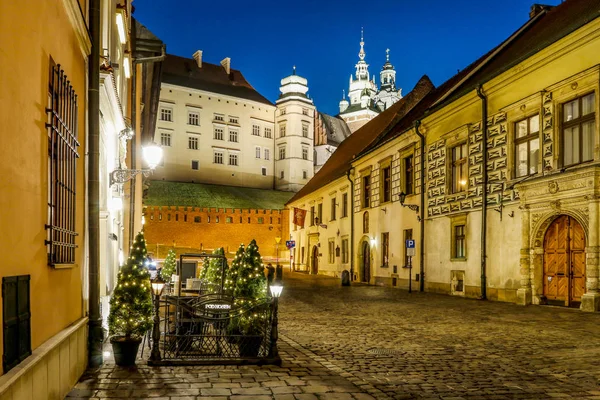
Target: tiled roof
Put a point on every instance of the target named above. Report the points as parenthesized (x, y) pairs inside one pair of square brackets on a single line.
[(341, 160), (336, 128), (164, 193), (358, 107), (213, 78)]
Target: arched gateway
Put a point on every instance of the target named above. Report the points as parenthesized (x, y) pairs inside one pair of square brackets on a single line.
[(564, 262)]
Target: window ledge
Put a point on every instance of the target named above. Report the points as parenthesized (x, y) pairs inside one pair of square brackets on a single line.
[(458, 259), (63, 266)]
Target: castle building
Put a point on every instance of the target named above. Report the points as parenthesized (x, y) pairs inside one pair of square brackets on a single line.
[(366, 99), (215, 128)]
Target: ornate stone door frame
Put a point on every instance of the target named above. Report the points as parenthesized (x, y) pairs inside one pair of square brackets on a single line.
[(542, 201)]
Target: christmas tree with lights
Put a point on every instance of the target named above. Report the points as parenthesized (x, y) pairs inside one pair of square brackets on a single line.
[(250, 287), (131, 302), (251, 283), (214, 271), (169, 266), (232, 272)]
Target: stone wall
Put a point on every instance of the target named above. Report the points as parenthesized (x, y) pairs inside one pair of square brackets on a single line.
[(210, 228)]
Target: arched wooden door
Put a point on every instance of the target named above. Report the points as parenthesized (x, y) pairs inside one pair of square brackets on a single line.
[(315, 260), (366, 262), (564, 261)]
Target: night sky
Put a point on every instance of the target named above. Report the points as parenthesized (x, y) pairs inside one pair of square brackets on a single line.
[(266, 38)]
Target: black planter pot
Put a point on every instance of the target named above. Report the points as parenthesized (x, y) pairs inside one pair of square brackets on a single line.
[(249, 346), (125, 351)]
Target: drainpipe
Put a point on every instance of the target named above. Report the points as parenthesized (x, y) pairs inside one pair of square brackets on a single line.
[(351, 196), (484, 184), (96, 335), (422, 210), (133, 139)]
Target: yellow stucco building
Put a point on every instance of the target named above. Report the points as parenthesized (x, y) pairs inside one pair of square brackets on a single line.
[(56, 233), (42, 180), (535, 238)]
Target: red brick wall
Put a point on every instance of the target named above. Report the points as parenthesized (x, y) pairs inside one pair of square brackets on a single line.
[(169, 225)]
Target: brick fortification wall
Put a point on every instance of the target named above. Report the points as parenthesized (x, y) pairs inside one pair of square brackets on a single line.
[(210, 228)]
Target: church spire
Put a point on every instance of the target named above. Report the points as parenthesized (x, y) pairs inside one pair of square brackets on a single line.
[(361, 54)]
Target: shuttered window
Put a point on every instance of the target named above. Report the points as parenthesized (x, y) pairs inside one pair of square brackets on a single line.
[(16, 319)]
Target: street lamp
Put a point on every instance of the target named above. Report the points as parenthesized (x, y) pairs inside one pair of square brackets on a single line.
[(157, 288), (277, 241), (152, 155), (413, 207), (276, 289)]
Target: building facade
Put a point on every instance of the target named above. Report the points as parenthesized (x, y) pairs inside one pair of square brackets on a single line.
[(43, 302), (510, 210), (216, 129), (72, 99)]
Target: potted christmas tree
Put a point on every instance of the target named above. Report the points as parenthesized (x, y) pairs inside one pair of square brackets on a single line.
[(131, 305), (251, 286), (169, 266)]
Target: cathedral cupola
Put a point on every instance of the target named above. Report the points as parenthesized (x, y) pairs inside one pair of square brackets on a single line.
[(387, 76), (344, 103)]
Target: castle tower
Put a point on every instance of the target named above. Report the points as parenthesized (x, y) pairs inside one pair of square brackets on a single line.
[(294, 134)]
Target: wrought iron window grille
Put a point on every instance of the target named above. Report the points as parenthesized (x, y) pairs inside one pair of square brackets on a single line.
[(62, 127)]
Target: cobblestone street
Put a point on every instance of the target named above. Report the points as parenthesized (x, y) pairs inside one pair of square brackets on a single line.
[(364, 342)]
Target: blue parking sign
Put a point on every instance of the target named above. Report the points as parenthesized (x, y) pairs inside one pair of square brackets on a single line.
[(410, 244)]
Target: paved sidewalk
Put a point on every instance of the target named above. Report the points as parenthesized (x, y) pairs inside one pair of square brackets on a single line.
[(365, 342), (302, 376)]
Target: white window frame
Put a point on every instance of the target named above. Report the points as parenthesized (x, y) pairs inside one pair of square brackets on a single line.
[(255, 130), (267, 154), (193, 142), (257, 152), (268, 133), (282, 152), (193, 116), (163, 114), (234, 157), (218, 131), (233, 134), (166, 137), (218, 157)]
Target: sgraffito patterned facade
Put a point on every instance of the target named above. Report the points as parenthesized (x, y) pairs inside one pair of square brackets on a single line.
[(541, 135)]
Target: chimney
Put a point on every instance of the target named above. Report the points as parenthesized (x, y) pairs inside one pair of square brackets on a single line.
[(198, 57), (226, 63), (537, 9)]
